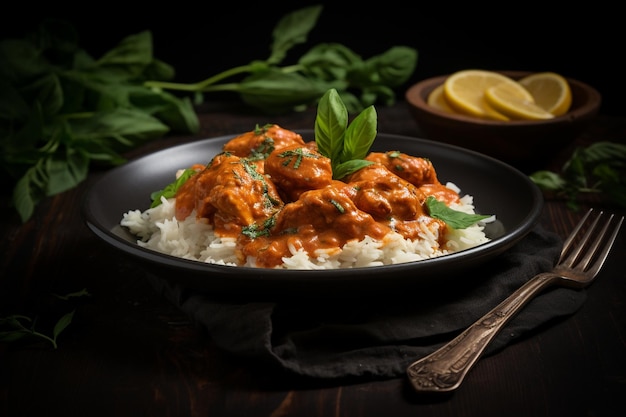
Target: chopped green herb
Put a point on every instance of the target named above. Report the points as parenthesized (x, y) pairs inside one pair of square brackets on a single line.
[(296, 154), (338, 206), (262, 151), (253, 231), (261, 130)]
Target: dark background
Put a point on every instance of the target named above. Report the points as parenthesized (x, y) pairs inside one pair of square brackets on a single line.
[(201, 39)]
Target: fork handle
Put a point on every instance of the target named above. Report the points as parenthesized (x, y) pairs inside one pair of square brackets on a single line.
[(445, 369)]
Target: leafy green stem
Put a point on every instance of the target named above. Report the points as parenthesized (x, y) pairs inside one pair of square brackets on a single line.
[(30, 331), (19, 330), (292, 68), (18, 326), (201, 85), (79, 115), (209, 84)]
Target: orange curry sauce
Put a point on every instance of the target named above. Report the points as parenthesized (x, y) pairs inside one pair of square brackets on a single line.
[(272, 191)]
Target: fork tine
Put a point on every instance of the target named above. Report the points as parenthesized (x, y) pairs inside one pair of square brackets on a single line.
[(569, 259), (601, 257), (590, 252), (569, 241)]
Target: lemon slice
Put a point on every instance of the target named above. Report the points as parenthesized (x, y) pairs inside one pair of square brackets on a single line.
[(551, 91), (514, 101), (437, 99), (465, 92)]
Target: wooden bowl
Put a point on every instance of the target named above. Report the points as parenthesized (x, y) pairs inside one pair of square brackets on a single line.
[(523, 144)]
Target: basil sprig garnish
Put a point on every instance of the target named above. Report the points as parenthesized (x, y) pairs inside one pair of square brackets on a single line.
[(346, 144)]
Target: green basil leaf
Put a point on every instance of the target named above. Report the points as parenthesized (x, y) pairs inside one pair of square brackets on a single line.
[(170, 190), (372, 94), (360, 135), (177, 113), (291, 30), (274, 91), (119, 124), (547, 180), (159, 70), (26, 195), (13, 335), (21, 60), (131, 56), (329, 61), (605, 151), (14, 321), (345, 144), (453, 218), (346, 168), (65, 171), (13, 106), (46, 91), (330, 125), (62, 324), (395, 66)]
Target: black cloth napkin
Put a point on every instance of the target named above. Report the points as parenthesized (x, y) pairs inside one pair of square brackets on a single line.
[(380, 337)]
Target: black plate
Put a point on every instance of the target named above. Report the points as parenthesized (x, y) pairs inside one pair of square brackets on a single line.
[(497, 189)]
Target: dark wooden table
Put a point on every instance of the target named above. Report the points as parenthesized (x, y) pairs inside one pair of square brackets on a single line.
[(130, 352)]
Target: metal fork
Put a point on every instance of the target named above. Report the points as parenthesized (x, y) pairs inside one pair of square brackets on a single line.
[(580, 261)]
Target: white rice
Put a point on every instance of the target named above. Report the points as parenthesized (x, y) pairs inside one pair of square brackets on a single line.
[(158, 229)]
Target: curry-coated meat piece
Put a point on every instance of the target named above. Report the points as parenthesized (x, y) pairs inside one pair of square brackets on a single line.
[(317, 208), (230, 194), (416, 170), (260, 142), (395, 202), (298, 168), (385, 195)]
